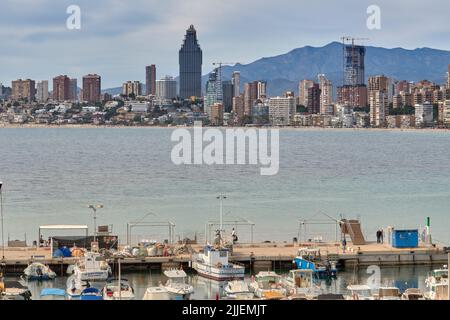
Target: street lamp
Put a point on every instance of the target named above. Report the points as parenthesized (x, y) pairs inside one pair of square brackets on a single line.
[(1, 212), (221, 197), (94, 209)]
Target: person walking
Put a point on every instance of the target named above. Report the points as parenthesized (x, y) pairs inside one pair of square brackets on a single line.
[(378, 236), (344, 245)]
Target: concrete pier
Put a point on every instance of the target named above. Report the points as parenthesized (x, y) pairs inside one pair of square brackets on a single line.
[(255, 257)]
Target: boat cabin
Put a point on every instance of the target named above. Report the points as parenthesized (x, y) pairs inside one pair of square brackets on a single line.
[(302, 278), (215, 257)]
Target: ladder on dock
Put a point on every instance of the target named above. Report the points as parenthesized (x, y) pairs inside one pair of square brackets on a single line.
[(353, 229)]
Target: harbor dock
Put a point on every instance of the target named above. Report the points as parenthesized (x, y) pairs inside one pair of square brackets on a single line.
[(255, 257)]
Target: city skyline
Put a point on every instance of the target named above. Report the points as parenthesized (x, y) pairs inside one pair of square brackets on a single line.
[(41, 35)]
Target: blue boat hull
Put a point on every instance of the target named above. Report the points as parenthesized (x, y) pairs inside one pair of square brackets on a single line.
[(319, 271)]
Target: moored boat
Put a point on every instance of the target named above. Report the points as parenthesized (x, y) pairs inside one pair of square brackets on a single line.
[(38, 271), (14, 290), (176, 285), (91, 267), (114, 290), (360, 292), (238, 290), (311, 259), (268, 285), (156, 293), (300, 284)]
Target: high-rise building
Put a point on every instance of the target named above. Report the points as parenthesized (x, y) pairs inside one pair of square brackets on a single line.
[(352, 96), (238, 106), (214, 90), (424, 114), (313, 104), (1, 89), (150, 80), (73, 90), (190, 60), (228, 92), (42, 91), (448, 77), (281, 110), (166, 88), (262, 90), (92, 84), (378, 83), (236, 80), (326, 94), (446, 113), (379, 108), (23, 89), (61, 88), (250, 96), (132, 88), (354, 65), (303, 91), (216, 114)]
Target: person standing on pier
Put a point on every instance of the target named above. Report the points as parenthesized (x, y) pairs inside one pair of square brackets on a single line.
[(378, 236), (344, 244)]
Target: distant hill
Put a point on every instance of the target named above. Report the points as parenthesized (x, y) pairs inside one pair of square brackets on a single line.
[(283, 72)]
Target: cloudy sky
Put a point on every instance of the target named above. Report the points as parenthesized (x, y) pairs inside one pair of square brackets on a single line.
[(118, 38)]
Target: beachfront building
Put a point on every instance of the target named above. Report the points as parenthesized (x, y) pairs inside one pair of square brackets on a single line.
[(23, 89), (424, 115), (132, 88), (42, 91), (281, 110)]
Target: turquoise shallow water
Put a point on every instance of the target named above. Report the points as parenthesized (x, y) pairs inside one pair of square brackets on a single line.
[(385, 178)]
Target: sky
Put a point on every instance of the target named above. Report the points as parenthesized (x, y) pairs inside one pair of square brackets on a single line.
[(119, 38)]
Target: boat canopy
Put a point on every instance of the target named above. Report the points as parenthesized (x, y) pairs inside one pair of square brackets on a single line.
[(14, 284), (53, 292)]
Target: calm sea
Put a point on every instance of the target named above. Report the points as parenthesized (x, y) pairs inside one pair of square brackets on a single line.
[(385, 178)]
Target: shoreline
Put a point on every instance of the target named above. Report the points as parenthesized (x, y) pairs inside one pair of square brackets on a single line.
[(92, 126)]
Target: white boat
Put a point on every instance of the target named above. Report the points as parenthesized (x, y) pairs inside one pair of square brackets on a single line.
[(359, 292), (388, 293), (300, 284), (14, 290), (238, 290), (176, 285), (413, 294), (75, 287), (437, 285), (268, 285), (213, 264), (156, 293), (115, 291), (91, 267), (38, 271)]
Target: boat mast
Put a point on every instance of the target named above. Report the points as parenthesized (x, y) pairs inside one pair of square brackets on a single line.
[(221, 197)]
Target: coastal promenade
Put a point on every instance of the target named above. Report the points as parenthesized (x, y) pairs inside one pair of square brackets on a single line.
[(264, 256)]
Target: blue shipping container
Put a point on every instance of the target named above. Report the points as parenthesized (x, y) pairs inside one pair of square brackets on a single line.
[(405, 239)]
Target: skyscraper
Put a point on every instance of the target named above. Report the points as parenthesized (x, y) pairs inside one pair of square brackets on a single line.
[(61, 88), (42, 91), (227, 89), (236, 80), (354, 65), (73, 95), (190, 59), (166, 88), (326, 94), (92, 88), (214, 90), (313, 104), (23, 89), (250, 96), (150, 80), (303, 91)]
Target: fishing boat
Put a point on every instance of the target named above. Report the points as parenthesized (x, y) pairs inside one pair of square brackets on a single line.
[(311, 259), (176, 285), (53, 294), (213, 264), (114, 290), (91, 294), (437, 284), (91, 267), (268, 285), (360, 292), (238, 290), (300, 284), (38, 271), (14, 290), (156, 293), (413, 294)]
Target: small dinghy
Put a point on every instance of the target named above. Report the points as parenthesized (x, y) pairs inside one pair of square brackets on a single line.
[(14, 290), (115, 291), (38, 271), (53, 294)]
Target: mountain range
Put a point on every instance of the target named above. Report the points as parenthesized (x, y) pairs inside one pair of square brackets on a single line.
[(283, 72)]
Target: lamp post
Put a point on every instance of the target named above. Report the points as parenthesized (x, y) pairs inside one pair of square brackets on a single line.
[(1, 212), (221, 198), (94, 209)]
